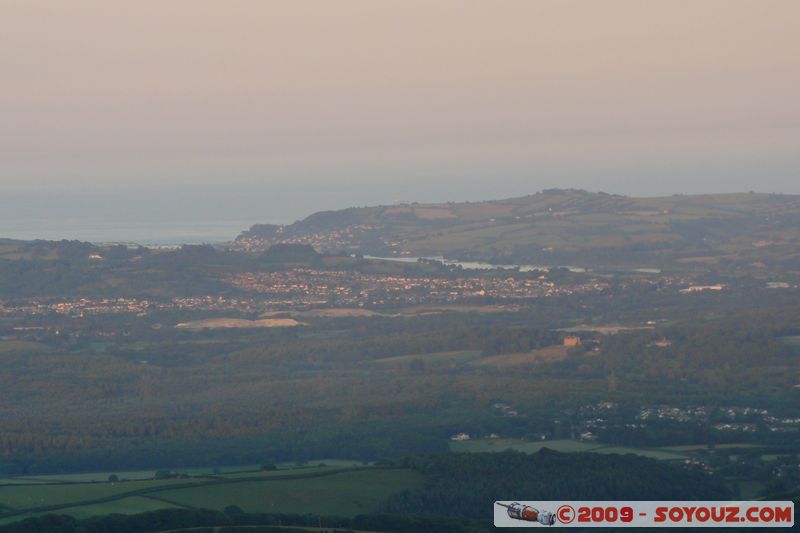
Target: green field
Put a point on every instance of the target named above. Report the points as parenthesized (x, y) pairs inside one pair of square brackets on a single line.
[(499, 445), (326, 490), (132, 505), (19, 481), (345, 494), (578, 227), (36, 495)]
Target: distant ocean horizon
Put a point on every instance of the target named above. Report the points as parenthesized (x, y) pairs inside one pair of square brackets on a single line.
[(212, 214), (168, 216), (195, 215), (147, 233), (149, 218)]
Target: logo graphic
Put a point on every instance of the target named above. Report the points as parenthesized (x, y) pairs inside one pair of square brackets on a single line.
[(517, 511), (644, 513), (565, 514)]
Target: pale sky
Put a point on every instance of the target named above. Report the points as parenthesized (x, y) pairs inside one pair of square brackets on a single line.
[(629, 96)]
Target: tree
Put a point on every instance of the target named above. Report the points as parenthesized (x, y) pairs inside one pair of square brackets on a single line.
[(233, 510)]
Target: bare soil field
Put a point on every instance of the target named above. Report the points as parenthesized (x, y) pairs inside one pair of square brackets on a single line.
[(433, 213), (212, 323)]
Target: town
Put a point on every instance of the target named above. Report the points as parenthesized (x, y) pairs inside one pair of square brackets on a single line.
[(316, 287), (301, 289)]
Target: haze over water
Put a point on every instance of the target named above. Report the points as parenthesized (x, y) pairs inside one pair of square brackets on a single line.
[(195, 215), (191, 120)]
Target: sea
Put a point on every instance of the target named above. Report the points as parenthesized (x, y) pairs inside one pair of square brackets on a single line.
[(172, 215), (195, 214), (150, 218)]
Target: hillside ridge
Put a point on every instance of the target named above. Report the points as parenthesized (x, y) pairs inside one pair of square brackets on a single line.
[(559, 226)]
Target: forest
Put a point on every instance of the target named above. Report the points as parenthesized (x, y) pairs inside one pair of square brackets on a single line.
[(467, 481)]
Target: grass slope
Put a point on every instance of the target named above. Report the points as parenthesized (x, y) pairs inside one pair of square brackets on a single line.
[(568, 227), (345, 494), (325, 490)]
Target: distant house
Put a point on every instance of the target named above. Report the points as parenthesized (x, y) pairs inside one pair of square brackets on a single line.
[(701, 288), (571, 340), (777, 285)]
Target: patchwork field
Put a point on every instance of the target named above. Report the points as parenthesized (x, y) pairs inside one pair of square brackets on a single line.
[(559, 227), (132, 505), (328, 490), (41, 495), (345, 494)]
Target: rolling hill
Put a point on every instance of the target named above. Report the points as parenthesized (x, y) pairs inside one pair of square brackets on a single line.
[(729, 232)]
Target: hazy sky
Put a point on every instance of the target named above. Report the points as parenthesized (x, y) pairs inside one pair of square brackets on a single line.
[(412, 99)]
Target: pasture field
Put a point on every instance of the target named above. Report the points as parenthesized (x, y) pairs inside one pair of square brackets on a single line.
[(566, 445), (131, 505), (326, 490), (19, 481), (37, 495), (343, 494)]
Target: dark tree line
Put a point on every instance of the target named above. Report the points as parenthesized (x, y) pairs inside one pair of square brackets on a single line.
[(469, 483)]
